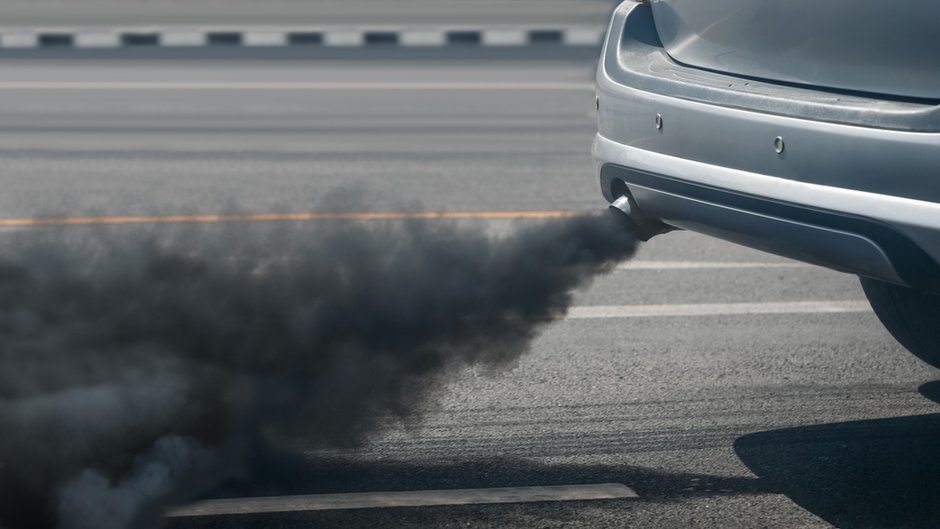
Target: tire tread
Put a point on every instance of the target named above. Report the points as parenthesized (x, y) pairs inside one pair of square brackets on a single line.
[(911, 316)]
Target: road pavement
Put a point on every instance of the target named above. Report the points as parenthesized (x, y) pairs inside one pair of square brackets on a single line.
[(726, 419), (199, 13)]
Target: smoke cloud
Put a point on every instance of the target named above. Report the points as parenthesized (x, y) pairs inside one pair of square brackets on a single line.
[(137, 366)]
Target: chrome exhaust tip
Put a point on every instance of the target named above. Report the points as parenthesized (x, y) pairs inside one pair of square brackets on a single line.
[(633, 219), (623, 204)]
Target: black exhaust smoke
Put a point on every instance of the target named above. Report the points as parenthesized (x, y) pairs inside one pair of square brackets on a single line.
[(136, 368)]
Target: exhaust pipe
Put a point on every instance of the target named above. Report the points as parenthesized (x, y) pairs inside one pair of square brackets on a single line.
[(643, 228)]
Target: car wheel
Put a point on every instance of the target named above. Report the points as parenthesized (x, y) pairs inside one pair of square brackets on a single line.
[(911, 316)]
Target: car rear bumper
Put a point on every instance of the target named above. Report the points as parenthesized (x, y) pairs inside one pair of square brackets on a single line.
[(856, 186)]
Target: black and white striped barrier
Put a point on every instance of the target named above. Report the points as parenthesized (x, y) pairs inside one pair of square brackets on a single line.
[(299, 37)]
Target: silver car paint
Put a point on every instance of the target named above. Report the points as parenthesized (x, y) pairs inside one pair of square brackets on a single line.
[(904, 164), (830, 166), (864, 45)]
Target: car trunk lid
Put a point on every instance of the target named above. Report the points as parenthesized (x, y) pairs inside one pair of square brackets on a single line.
[(857, 45)]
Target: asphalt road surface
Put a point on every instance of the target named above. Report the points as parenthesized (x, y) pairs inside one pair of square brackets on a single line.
[(104, 13), (723, 386)]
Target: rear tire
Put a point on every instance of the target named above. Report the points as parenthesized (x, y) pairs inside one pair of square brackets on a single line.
[(911, 316)]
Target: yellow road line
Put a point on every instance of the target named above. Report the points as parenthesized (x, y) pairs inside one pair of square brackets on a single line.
[(256, 217)]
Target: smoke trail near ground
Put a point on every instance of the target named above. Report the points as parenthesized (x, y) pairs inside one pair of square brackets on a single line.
[(136, 368)]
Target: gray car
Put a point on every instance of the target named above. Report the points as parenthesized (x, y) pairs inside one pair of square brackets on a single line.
[(807, 129)]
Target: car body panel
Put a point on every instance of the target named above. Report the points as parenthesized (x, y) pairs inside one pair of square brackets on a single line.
[(859, 45), (656, 120), (729, 218)]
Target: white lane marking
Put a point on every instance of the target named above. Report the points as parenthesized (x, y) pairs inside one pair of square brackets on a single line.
[(100, 39), (293, 86), (343, 38), (695, 265), (505, 37), (584, 36), (264, 38), (420, 498), (422, 37), (188, 36), (183, 39), (716, 309), (19, 40)]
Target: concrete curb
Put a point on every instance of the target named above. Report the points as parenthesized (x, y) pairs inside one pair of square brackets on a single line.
[(299, 37)]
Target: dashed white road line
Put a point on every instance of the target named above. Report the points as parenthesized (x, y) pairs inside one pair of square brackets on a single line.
[(421, 498), (716, 309), (309, 37), (182, 39), (263, 38), (504, 37), (344, 38), (427, 37), (696, 265)]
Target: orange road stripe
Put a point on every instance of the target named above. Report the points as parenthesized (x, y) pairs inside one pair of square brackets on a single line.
[(175, 219)]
